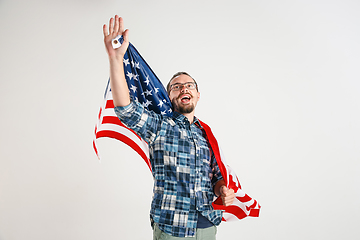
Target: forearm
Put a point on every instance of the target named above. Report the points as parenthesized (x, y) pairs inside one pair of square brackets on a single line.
[(119, 87)]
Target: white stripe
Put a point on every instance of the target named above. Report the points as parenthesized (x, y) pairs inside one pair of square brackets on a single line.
[(241, 205), (240, 193), (108, 112), (116, 128), (229, 217)]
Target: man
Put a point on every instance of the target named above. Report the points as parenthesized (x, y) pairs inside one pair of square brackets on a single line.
[(186, 175)]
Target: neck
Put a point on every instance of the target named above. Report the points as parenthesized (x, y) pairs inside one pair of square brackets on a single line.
[(189, 116)]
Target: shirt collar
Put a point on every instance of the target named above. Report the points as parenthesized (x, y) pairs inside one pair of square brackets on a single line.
[(181, 118)]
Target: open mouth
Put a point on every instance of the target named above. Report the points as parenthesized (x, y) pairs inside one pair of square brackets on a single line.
[(185, 98)]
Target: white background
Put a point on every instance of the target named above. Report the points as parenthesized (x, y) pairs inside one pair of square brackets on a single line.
[(279, 83)]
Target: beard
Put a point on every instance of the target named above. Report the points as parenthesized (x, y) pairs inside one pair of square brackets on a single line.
[(181, 108)]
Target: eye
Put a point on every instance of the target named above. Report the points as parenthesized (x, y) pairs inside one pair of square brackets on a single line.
[(190, 86), (176, 87)]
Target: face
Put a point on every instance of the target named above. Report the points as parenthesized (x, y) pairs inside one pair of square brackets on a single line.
[(184, 100)]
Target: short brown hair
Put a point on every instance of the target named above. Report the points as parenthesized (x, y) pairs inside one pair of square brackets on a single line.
[(176, 75)]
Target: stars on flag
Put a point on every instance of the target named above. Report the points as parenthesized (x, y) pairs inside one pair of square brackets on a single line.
[(148, 93), (126, 62), (161, 103), (130, 75), (147, 103), (164, 112), (147, 81), (133, 88), (144, 86), (135, 64)]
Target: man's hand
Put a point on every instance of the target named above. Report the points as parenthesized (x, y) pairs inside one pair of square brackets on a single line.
[(227, 195), (116, 27)]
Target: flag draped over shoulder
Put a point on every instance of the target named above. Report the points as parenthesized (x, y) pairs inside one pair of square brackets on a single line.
[(146, 88)]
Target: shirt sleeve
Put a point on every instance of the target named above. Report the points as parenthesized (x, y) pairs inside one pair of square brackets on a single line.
[(144, 122), (216, 171)]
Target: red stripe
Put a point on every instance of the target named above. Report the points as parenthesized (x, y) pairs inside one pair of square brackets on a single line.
[(215, 147), (115, 120), (252, 206), (232, 183), (218, 204), (238, 212), (112, 120), (237, 180), (126, 140), (254, 213), (95, 149), (100, 113), (109, 104), (245, 198), (235, 210)]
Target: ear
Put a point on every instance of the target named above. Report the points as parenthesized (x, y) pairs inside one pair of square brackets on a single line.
[(198, 93)]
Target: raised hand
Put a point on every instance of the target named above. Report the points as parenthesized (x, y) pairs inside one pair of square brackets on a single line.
[(116, 27)]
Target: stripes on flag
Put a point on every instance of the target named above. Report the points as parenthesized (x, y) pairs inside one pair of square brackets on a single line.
[(243, 204)]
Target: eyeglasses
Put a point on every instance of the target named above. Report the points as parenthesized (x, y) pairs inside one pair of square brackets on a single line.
[(178, 86)]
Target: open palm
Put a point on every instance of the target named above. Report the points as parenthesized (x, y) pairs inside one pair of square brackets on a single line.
[(116, 27)]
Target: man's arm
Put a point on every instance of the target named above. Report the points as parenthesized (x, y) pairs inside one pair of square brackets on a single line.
[(119, 87), (227, 195)]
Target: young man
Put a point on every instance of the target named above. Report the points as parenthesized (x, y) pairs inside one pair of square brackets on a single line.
[(186, 175)]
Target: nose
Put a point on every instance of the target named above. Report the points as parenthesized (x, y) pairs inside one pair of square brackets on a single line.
[(183, 88)]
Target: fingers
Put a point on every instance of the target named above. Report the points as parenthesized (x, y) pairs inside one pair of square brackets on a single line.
[(227, 196), (121, 24), (111, 26), (126, 35), (105, 31), (223, 189), (116, 26)]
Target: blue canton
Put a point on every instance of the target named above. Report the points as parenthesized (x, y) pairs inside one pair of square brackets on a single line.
[(183, 166)]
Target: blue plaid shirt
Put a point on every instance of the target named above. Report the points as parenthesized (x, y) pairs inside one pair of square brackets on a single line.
[(183, 166)]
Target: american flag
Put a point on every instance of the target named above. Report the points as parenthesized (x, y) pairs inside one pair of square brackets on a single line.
[(147, 89)]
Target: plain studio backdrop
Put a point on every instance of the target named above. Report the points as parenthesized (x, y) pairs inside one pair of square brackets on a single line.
[(279, 83)]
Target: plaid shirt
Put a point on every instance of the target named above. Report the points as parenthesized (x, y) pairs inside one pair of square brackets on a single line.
[(183, 166)]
